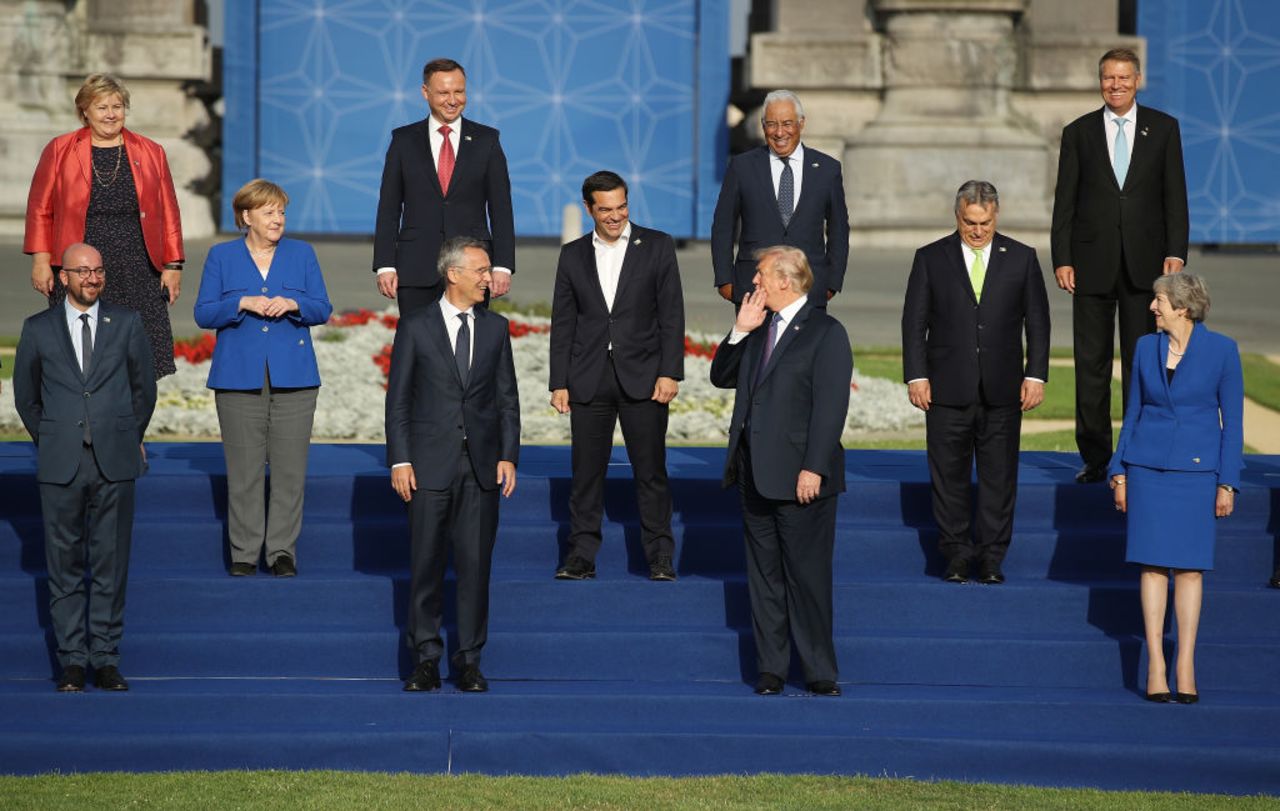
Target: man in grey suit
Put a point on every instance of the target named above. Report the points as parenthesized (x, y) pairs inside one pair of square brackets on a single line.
[(84, 386), (453, 440), (783, 193)]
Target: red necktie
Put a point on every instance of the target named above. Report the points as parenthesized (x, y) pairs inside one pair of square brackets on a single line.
[(445, 167)]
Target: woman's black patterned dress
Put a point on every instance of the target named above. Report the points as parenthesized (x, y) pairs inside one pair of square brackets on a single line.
[(112, 226)]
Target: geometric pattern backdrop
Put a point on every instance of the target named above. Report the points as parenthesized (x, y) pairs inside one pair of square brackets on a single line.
[(1215, 64), (314, 88)]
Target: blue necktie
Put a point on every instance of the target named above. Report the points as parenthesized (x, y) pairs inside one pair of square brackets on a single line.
[(769, 341), (786, 192), (1121, 162)]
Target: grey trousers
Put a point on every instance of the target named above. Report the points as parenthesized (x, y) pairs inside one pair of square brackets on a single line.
[(267, 427)]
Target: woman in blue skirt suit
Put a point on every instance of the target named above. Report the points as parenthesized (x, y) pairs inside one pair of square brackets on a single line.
[(1177, 466)]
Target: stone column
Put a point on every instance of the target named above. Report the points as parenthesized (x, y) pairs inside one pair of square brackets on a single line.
[(949, 69)]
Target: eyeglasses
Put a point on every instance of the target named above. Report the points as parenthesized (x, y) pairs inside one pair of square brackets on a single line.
[(86, 272), (787, 125), (484, 271)]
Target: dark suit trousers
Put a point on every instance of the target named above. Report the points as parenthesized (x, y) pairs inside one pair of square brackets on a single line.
[(463, 518), (644, 429), (789, 554), (1093, 323), (89, 520), (954, 435)]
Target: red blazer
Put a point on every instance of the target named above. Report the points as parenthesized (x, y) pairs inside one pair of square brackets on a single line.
[(59, 197)]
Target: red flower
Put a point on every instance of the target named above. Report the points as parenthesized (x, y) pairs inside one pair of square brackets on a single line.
[(195, 350)]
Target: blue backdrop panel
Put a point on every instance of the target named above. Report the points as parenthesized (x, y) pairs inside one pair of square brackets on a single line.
[(1215, 64), (313, 90)]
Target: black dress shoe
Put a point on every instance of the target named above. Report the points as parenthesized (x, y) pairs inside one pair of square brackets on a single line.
[(1160, 698), (242, 570), (1275, 580), (576, 568), (426, 677), (823, 688), (71, 680), (108, 677), (957, 571), (1186, 698), (472, 680), (284, 567), (1089, 474), (769, 685), (661, 569), (989, 574)]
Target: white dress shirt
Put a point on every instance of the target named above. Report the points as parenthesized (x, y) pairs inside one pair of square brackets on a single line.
[(452, 324), (1130, 130), (609, 256), (796, 159), (788, 314), (74, 325)]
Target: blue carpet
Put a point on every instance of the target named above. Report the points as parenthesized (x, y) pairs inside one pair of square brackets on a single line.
[(1037, 681)]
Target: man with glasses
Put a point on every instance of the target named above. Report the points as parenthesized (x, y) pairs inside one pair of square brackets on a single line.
[(782, 193), (84, 386)]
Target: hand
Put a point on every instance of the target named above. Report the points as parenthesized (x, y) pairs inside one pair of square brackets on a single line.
[(143, 448), (404, 482), (1172, 264), (560, 400), (42, 274), (254, 304), (1225, 504), (920, 393), (171, 282), (726, 292), (507, 478), (665, 389), (388, 283), (1066, 276), (752, 312), (1032, 394), (501, 284), (279, 306), (807, 485), (1118, 492)]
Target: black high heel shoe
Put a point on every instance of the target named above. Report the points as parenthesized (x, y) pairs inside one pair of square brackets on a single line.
[(1161, 698), (1186, 698), (1275, 580)]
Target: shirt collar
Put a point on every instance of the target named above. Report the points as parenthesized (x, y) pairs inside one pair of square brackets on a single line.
[(436, 124), (621, 241), (789, 312), (968, 249), (796, 158), (1131, 116), (450, 311), (73, 314)]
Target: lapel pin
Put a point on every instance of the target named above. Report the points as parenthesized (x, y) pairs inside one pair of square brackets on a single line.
[(814, 165), (1002, 249), (106, 319), (1144, 130), (468, 137), (635, 241)]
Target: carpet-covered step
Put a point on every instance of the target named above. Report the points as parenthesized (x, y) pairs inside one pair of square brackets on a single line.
[(1083, 659)]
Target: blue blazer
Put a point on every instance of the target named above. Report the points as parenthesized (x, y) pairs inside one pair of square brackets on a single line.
[(1194, 423), (248, 344)]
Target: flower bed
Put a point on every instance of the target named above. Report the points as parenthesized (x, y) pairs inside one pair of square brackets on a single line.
[(354, 354)]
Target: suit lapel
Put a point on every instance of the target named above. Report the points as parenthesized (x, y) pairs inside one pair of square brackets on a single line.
[(785, 340), (588, 264), (955, 258), (63, 332), (487, 333), (104, 339), (440, 337), (84, 155), (433, 172), (764, 171), (1097, 129), (630, 261), (1141, 156)]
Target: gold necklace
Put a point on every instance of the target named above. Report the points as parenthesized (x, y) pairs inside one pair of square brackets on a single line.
[(114, 174)]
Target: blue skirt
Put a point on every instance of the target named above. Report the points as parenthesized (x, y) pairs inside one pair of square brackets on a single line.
[(1170, 518)]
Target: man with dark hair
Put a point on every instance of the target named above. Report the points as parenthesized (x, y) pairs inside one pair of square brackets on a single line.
[(444, 176), (84, 386), (617, 353), (453, 441), (970, 298), (1119, 221)]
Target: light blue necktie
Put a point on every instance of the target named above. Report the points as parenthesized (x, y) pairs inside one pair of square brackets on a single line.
[(1121, 162)]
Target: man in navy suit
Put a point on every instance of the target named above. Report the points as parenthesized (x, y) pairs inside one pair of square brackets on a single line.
[(783, 193), (617, 353), (453, 440), (84, 385), (792, 380), (971, 297), (1119, 221), (445, 176)]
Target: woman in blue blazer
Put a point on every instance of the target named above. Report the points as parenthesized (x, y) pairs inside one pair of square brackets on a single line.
[(262, 294), (1177, 466)]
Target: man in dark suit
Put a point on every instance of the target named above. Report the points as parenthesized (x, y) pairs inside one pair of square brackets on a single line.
[(617, 353), (1119, 221), (792, 382), (453, 440), (445, 176), (783, 193), (970, 298), (84, 385)]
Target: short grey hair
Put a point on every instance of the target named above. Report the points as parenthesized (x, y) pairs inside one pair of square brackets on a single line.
[(1185, 290), (977, 192), (782, 95), (791, 263), (454, 250)]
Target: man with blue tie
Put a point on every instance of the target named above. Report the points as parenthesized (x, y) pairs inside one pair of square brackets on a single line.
[(84, 385), (783, 193), (1119, 221)]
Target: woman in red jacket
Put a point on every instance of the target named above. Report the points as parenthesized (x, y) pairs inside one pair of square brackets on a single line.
[(111, 188)]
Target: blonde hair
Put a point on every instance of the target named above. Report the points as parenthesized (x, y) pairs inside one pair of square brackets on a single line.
[(790, 263), (94, 88), (256, 194)]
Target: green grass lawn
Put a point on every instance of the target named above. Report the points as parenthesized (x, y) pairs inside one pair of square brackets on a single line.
[(356, 790)]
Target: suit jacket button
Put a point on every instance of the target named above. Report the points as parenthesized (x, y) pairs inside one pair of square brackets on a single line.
[(1196, 459), (86, 394), (266, 329), (264, 289)]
